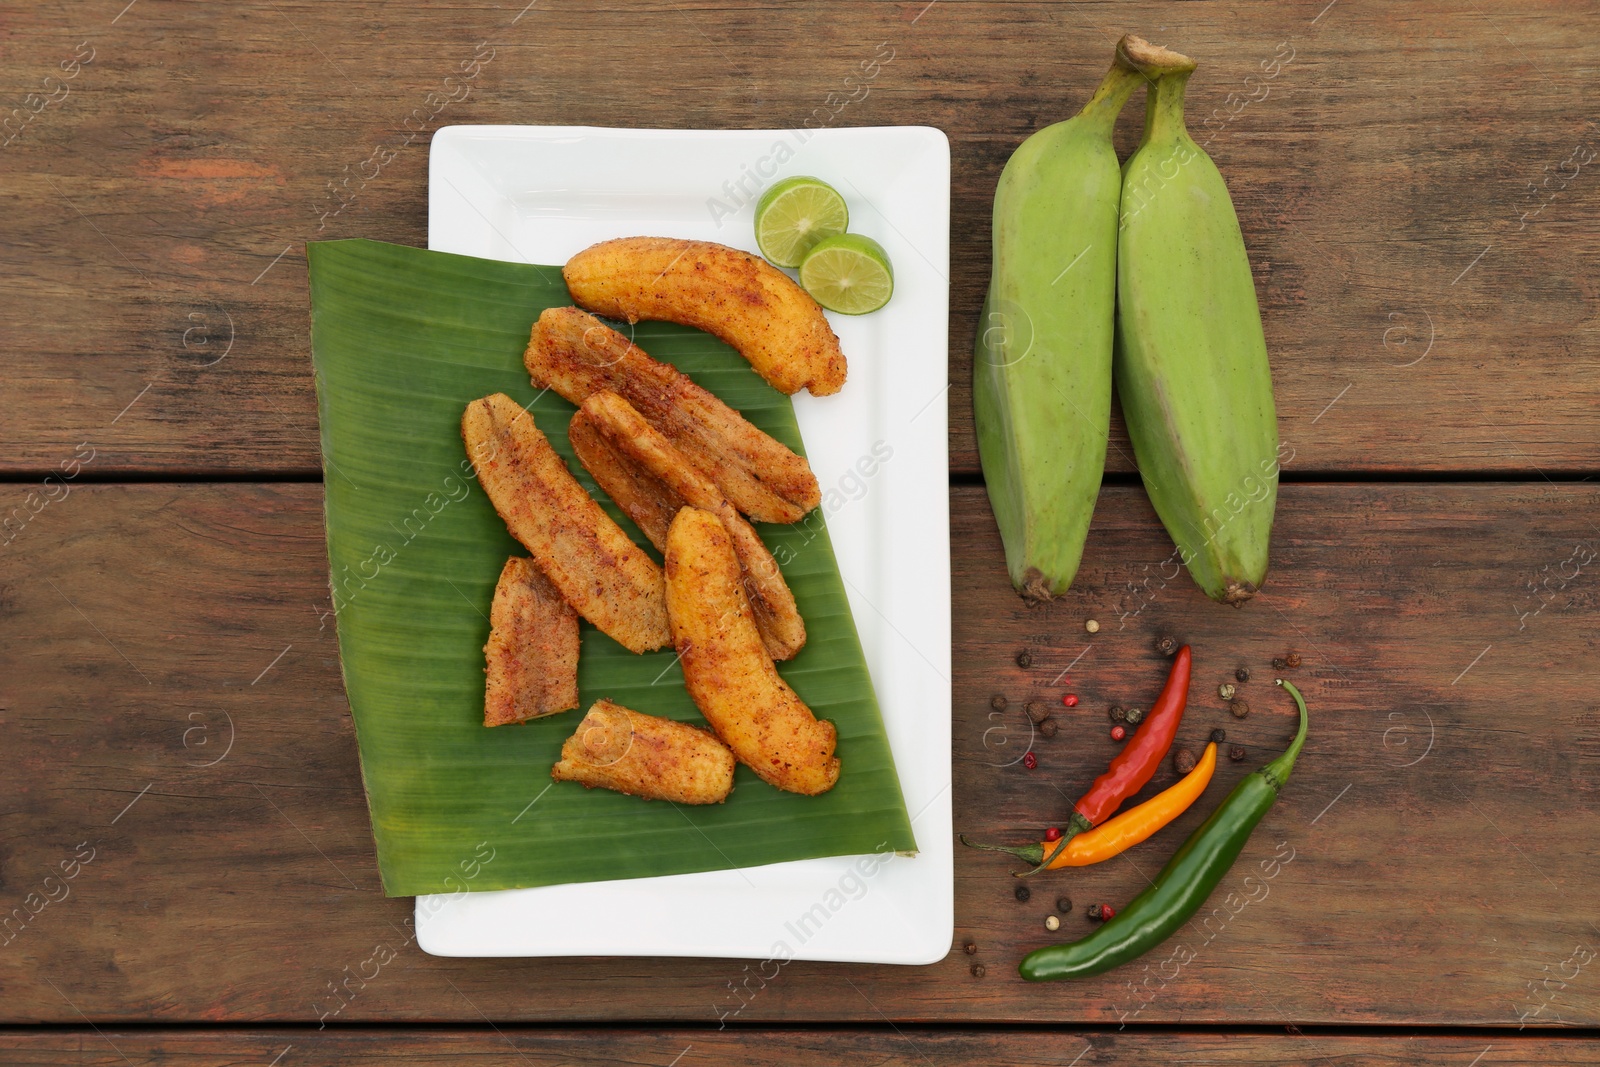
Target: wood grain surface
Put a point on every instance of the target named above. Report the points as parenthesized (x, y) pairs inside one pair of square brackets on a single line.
[(1410, 181), (185, 841), (907, 1047), (177, 738)]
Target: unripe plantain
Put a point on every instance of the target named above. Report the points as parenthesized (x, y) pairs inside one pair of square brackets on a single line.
[(1191, 362), (1042, 368)]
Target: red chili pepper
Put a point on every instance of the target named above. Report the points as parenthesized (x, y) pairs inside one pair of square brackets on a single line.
[(1137, 762)]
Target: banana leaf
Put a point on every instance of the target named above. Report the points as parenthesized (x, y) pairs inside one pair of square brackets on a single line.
[(402, 339)]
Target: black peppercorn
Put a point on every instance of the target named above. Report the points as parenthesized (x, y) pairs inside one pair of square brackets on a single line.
[(1064, 905), (1280, 664), (1022, 893), (1134, 716), (1242, 674), (1239, 708), (1094, 912), (979, 970), (1048, 728), (1236, 753), (997, 702), (1117, 713), (1219, 735), (1037, 712), (970, 948), (1166, 645), (1024, 659), (1183, 760)]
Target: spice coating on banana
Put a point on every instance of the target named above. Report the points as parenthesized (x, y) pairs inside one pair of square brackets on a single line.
[(740, 298)]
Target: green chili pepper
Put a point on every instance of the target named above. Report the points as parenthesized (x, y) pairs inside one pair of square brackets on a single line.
[(1183, 884)]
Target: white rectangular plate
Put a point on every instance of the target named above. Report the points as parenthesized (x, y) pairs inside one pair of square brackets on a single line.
[(538, 194)]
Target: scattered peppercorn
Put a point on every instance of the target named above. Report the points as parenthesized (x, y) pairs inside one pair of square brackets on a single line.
[(979, 970), (970, 948), (1064, 905), (1048, 728), (1236, 753), (1022, 893), (1037, 712), (1183, 760), (1226, 690), (1292, 660), (1053, 834), (1092, 626), (1107, 912), (1052, 923), (1280, 664), (1166, 645), (1239, 708), (997, 702), (1219, 735), (1024, 659), (1094, 912), (1135, 716), (1117, 713), (1118, 733), (1070, 700), (1243, 674), (1030, 761)]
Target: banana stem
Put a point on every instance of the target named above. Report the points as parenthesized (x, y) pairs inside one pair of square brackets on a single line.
[(1114, 89), (1163, 116)]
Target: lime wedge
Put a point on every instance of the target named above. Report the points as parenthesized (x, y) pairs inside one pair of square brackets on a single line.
[(849, 274), (794, 215)]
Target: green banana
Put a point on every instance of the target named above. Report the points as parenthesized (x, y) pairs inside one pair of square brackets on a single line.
[(1042, 367), (1191, 360)]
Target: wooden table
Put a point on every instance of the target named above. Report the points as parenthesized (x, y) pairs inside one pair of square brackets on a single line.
[(1415, 188)]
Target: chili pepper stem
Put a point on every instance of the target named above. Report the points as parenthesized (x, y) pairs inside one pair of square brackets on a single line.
[(1075, 826), (1027, 853)]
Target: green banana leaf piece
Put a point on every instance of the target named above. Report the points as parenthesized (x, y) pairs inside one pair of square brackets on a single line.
[(402, 339)]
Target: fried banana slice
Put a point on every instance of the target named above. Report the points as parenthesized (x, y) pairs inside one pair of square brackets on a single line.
[(651, 480), (532, 656), (738, 297), (576, 354), (646, 756), (727, 670), (604, 576)]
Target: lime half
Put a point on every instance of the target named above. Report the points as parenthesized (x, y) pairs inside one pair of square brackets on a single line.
[(794, 215), (849, 274)]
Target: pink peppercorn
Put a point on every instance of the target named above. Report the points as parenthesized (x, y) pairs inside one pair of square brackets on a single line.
[(1070, 700), (1118, 732), (1030, 761), (1053, 834)]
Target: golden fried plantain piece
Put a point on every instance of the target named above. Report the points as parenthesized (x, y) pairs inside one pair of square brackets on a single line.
[(576, 354), (727, 670), (650, 480), (642, 498), (738, 297), (646, 756), (532, 656), (604, 576)]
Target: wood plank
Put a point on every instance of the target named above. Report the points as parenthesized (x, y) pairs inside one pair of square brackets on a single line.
[(701, 1048), (1405, 184), (170, 698)]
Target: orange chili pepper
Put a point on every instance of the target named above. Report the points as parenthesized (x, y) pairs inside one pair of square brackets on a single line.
[(1126, 830)]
